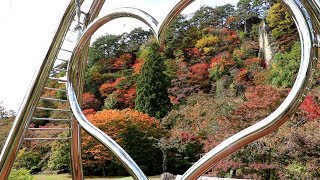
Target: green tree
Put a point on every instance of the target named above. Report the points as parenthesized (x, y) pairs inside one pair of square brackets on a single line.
[(204, 17), (250, 11), (59, 157), (285, 66), (152, 85), (5, 125), (131, 42), (149, 164), (280, 21), (175, 35), (208, 16)]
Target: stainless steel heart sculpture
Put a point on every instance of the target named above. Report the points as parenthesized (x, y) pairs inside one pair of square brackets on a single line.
[(308, 25)]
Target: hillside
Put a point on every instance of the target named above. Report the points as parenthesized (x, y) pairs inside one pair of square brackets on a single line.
[(169, 104)]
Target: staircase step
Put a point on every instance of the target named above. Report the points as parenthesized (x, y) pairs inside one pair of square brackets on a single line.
[(54, 99), (64, 60), (32, 139), (66, 50), (59, 69), (52, 109), (58, 79), (49, 129), (50, 119), (54, 89)]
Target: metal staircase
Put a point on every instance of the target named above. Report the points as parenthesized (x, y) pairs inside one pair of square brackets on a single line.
[(62, 60), (60, 51), (68, 56)]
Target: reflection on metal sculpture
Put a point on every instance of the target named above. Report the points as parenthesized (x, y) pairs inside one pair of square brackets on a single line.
[(117, 151), (306, 15)]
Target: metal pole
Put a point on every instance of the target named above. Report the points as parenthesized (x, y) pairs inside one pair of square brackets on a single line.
[(75, 151), (12, 145)]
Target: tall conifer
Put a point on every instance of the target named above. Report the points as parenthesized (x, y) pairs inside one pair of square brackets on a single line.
[(152, 85)]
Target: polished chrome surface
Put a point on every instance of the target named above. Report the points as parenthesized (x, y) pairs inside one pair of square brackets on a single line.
[(75, 152), (117, 151), (313, 7), (282, 113), (75, 144), (264, 127), (306, 14), (176, 10), (12, 145)]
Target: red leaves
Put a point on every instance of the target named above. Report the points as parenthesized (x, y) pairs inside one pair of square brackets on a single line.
[(192, 52), (137, 66), (223, 59), (261, 101), (107, 88), (88, 111), (127, 96), (310, 107), (90, 102), (241, 75), (263, 97), (198, 73), (255, 62), (185, 136), (123, 61)]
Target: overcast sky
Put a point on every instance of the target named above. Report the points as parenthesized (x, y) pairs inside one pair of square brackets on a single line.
[(27, 28)]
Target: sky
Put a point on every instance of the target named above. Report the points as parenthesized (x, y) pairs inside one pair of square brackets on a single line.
[(28, 26)]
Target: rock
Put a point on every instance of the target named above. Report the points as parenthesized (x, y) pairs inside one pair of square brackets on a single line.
[(167, 176)]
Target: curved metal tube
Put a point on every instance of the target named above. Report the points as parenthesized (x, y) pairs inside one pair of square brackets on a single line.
[(17, 132), (121, 154), (75, 148), (281, 114), (176, 10), (309, 59)]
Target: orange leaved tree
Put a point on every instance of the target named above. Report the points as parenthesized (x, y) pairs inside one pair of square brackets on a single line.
[(134, 131)]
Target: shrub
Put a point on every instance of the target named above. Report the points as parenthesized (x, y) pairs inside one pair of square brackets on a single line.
[(20, 174), (59, 157), (285, 66), (90, 102), (27, 159)]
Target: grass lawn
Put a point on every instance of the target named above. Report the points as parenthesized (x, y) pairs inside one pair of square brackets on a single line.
[(68, 177)]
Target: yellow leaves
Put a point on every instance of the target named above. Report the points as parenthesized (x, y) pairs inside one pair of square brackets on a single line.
[(206, 41), (280, 21)]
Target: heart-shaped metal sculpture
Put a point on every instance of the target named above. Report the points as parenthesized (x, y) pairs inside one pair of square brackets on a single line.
[(309, 46)]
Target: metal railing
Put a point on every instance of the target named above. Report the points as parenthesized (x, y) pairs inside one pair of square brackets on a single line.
[(305, 13)]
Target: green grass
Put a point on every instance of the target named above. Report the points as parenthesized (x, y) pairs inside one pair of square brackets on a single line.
[(53, 176), (68, 177)]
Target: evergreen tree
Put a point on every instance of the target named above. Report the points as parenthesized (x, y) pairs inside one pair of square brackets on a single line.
[(152, 84)]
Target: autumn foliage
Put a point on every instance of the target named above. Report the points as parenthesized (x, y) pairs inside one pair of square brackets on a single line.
[(310, 107), (119, 124), (90, 102)]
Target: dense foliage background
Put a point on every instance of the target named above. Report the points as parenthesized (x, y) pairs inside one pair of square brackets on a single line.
[(167, 105)]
